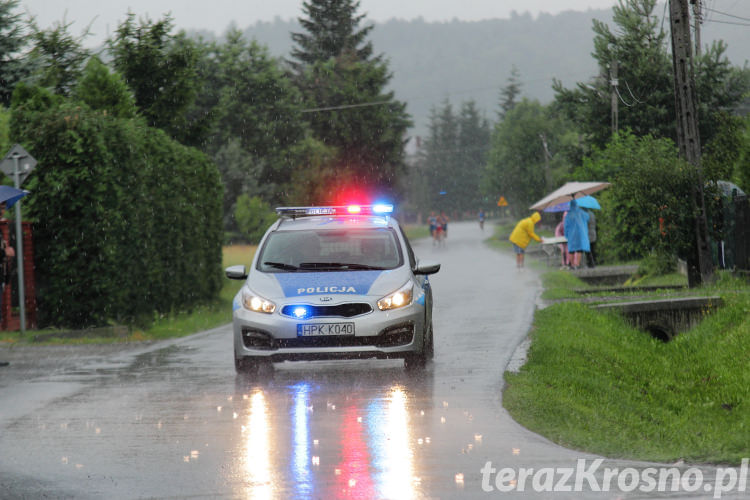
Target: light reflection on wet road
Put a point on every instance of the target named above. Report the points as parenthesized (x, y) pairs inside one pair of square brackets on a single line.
[(175, 421)]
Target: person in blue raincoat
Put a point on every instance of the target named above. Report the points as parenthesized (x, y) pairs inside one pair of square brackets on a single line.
[(577, 232)]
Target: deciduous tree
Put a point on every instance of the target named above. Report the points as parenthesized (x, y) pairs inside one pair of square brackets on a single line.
[(527, 146)]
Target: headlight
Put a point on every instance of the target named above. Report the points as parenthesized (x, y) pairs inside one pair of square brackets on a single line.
[(256, 303), (400, 298)]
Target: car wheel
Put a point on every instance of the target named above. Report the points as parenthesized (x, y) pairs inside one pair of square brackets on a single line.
[(246, 365), (418, 360), (429, 348), (415, 361)]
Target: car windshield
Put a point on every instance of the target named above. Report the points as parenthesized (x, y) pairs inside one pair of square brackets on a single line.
[(330, 250)]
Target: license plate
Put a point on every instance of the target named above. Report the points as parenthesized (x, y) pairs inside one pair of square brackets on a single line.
[(319, 329)]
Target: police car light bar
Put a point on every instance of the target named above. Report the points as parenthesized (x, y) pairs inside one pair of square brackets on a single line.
[(376, 209)]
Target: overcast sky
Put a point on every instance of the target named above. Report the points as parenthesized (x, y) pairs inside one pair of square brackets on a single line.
[(216, 15)]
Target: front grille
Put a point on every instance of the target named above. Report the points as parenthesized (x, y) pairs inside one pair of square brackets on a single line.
[(327, 341), (342, 310)]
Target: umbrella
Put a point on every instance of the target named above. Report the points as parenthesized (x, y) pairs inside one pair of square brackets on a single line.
[(569, 191), (587, 201), (729, 189), (10, 195)]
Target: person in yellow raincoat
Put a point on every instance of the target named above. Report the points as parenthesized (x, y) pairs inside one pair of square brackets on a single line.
[(522, 236)]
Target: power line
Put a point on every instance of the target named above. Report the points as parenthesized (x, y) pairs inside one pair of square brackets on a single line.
[(727, 14), (426, 151), (621, 99), (729, 22), (631, 93), (345, 106)]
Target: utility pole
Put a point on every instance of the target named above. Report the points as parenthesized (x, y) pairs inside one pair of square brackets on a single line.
[(614, 82), (547, 156), (697, 19), (700, 266)]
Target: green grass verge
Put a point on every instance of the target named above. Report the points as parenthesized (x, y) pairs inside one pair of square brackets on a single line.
[(593, 383), (415, 231), (499, 238), (560, 285)]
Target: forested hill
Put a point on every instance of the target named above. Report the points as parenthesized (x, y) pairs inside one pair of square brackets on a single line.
[(463, 60)]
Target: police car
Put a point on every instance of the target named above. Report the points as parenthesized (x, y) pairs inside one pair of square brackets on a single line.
[(331, 283)]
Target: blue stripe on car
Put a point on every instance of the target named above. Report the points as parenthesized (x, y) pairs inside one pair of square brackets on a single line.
[(356, 283)]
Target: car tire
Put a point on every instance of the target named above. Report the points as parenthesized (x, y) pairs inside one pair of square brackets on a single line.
[(246, 365), (415, 361), (429, 348), (418, 360)]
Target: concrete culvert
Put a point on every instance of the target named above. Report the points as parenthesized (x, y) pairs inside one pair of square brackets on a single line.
[(660, 331)]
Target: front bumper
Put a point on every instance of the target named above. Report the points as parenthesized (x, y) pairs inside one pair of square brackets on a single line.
[(378, 334)]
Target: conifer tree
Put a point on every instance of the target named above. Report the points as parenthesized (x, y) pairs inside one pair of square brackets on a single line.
[(161, 68), (348, 107), (11, 43), (332, 29), (510, 93)]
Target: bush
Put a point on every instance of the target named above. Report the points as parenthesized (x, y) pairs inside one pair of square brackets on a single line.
[(127, 221), (657, 264), (253, 217), (647, 210)]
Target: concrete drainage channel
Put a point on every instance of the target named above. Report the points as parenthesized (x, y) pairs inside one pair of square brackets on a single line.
[(661, 318), (665, 318)]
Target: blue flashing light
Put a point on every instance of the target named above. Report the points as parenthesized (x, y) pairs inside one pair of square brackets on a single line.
[(301, 312), (382, 208)]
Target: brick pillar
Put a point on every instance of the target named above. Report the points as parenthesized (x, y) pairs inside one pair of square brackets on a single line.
[(8, 321), (6, 295)]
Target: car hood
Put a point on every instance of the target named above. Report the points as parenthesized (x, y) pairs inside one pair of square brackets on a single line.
[(331, 283)]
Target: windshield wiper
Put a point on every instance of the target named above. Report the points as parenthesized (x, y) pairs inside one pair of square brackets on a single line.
[(281, 265), (338, 266)]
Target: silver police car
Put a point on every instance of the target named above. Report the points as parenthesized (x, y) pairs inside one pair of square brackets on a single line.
[(333, 283)]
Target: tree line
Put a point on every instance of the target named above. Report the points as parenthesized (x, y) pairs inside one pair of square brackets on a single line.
[(154, 148)]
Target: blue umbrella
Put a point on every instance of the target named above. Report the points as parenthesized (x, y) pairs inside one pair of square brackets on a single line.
[(10, 195), (584, 202)]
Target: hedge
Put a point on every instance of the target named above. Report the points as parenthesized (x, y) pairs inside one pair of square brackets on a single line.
[(127, 222)]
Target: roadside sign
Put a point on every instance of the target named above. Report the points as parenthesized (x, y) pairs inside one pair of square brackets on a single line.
[(502, 202), (26, 163)]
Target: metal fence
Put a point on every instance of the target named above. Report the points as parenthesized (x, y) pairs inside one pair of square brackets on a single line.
[(731, 249)]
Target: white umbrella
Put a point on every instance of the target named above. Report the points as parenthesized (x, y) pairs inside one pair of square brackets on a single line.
[(569, 191)]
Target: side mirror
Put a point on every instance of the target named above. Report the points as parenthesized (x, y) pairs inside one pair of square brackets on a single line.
[(427, 267), (236, 272)]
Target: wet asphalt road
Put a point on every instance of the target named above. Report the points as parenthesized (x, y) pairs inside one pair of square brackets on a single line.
[(171, 420)]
